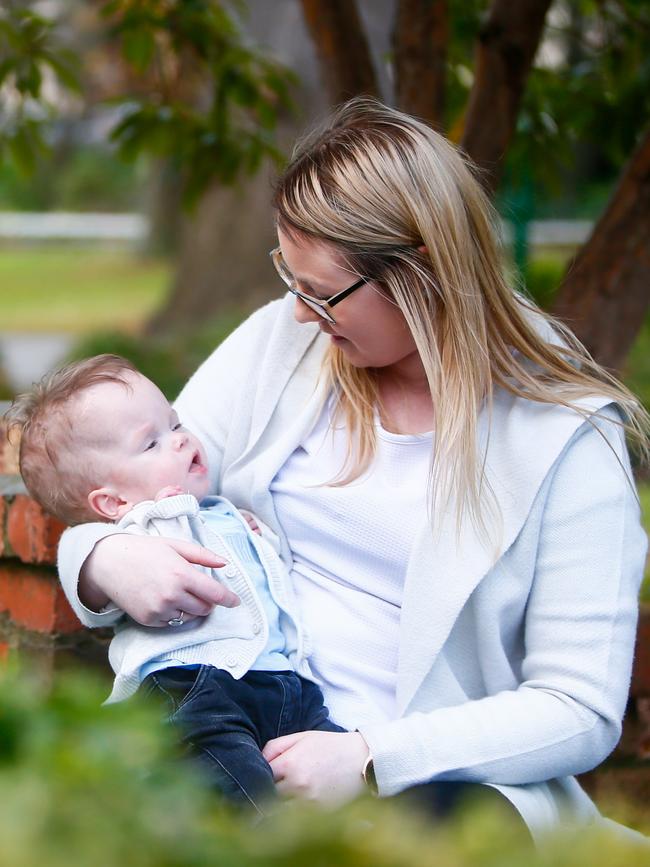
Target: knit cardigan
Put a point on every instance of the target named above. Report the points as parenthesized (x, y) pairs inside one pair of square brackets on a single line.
[(515, 653)]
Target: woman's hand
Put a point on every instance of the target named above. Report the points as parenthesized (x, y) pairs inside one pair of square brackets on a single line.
[(152, 579), (319, 766)]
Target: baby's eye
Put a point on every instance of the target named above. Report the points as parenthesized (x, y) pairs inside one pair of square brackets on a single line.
[(177, 426), (151, 445)]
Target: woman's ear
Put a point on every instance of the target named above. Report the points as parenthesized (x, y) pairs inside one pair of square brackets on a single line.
[(422, 248), (106, 503)]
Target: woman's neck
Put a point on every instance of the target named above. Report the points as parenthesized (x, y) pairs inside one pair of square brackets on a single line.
[(405, 396)]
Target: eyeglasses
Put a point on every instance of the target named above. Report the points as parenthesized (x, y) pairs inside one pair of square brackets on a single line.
[(321, 306)]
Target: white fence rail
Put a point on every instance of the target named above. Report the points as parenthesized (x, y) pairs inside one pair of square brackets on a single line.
[(133, 228), (62, 225)]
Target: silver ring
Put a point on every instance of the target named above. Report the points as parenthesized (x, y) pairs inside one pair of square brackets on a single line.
[(177, 621)]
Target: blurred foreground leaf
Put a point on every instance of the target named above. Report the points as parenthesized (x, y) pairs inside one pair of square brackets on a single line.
[(84, 784)]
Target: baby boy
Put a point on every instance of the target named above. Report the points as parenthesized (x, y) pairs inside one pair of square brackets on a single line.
[(99, 441)]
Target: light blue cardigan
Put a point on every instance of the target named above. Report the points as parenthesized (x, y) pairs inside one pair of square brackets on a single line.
[(514, 664)]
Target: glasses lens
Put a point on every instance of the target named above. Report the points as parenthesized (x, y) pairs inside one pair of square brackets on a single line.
[(313, 305), (283, 272), (290, 280)]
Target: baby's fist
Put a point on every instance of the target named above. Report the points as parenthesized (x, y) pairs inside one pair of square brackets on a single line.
[(169, 491)]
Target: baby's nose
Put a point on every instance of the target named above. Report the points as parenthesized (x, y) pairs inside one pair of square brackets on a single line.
[(180, 439)]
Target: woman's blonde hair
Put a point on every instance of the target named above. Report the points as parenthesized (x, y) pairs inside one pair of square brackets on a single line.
[(380, 186)]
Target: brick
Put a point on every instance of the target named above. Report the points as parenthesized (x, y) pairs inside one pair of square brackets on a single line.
[(3, 513), (32, 533), (34, 600), (641, 671)]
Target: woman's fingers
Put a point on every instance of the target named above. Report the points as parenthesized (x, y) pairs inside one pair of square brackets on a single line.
[(320, 766), (165, 580), (190, 590), (273, 749)]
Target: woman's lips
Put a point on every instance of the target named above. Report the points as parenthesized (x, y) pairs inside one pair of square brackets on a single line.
[(335, 338)]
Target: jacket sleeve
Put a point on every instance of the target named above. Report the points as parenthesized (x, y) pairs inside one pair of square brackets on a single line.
[(565, 715), (76, 544), (204, 406)]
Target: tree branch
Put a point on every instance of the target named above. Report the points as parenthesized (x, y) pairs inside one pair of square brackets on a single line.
[(507, 45), (605, 293), (342, 48), (420, 38)]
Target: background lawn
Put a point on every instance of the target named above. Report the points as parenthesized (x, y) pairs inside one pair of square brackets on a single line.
[(77, 289)]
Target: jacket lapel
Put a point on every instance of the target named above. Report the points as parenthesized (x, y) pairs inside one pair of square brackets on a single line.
[(525, 439)]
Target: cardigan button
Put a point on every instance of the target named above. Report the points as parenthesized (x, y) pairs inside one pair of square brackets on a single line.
[(256, 628), (231, 660), (230, 571)]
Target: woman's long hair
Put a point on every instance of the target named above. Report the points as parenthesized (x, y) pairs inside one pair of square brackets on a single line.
[(380, 185)]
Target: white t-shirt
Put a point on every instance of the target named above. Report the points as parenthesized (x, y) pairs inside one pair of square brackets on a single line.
[(351, 546)]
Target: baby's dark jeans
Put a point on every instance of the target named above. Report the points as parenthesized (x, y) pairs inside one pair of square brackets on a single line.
[(225, 723)]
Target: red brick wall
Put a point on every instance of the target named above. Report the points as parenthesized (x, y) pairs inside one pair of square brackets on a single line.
[(35, 617)]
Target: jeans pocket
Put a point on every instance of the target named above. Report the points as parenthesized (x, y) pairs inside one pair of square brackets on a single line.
[(194, 689), (174, 685)]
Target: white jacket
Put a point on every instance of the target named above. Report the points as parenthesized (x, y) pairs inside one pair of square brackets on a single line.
[(236, 636), (514, 668)]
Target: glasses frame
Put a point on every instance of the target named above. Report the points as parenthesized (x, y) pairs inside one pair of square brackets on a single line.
[(322, 306)]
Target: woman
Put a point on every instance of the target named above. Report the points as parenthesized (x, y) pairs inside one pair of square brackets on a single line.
[(446, 469)]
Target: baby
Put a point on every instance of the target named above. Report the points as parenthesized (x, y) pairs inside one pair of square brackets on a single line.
[(99, 441)]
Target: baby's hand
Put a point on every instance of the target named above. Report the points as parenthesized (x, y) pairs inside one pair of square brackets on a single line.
[(251, 521), (169, 491)]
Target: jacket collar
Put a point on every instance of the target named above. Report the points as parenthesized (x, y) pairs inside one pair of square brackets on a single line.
[(525, 439)]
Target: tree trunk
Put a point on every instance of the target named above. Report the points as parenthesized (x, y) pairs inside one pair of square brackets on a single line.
[(420, 39), (223, 262), (606, 291), (342, 48), (507, 45)]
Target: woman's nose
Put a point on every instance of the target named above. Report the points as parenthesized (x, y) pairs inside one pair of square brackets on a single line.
[(303, 312)]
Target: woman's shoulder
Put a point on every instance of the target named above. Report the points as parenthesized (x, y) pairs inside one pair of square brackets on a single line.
[(524, 439), (268, 330)]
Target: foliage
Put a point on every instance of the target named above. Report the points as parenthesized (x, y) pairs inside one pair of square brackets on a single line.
[(644, 497), (637, 366), (203, 99), (543, 277), (30, 53), (78, 178), (81, 784), (168, 360), (582, 114), (212, 102)]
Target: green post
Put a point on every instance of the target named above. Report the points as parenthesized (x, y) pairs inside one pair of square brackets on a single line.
[(523, 207)]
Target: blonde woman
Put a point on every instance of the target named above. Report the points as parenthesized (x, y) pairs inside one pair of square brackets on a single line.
[(446, 470)]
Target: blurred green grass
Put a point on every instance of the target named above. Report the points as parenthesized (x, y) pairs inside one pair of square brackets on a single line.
[(77, 289)]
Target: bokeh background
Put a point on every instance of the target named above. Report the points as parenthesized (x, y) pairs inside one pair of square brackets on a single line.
[(139, 140)]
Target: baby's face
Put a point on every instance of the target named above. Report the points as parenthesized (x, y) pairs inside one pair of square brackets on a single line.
[(139, 442)]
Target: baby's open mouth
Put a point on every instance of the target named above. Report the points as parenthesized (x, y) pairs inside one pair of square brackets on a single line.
[(196, 466)]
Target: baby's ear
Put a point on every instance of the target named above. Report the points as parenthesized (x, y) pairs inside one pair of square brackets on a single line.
[(106, 503)]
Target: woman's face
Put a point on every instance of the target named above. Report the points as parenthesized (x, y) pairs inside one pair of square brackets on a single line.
[(370, 329)]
